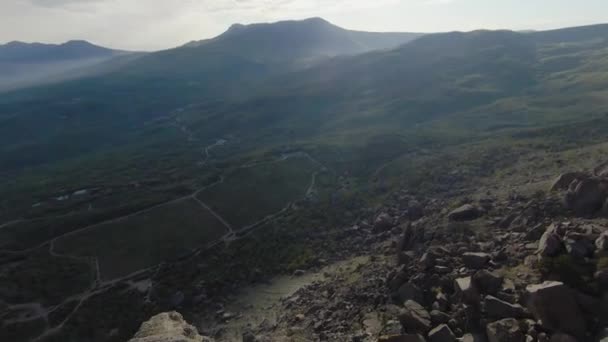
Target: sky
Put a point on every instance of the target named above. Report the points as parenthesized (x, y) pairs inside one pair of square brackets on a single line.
[(160, 24)]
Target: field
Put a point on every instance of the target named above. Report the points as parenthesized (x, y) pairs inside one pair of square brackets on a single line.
[(249, 194), (145, 239)]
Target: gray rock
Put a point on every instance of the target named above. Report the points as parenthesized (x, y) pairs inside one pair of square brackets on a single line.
[(442, 333), (415, 210), (550, 243), (168, 327), (466, 290), (409, 291), (587, 196), (563, 181), (466, 212), (506, 330), (414, 318), (475, 260), (487, 282), (601, 243), (579, 248), (497, 309), (555, 306), (383, 223), (438, 317)]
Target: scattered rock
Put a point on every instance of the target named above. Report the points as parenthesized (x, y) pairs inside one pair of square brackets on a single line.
[(506, 330), (487, 282), (550, 243), (409, 291), (466, 212), (497, 309), (383, 222), (563, 181), (414, 318), (466, 290), (554, 305), (442, 333), (601, 243), (475, 260), (587, 196)]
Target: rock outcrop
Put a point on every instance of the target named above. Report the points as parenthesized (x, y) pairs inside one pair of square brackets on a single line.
[(168, 327)]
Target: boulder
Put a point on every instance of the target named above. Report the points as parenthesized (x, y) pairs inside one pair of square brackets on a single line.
[(563, 181), (168, 327), (601, 243), (414, 318), (415, 210), (466, 290), (554, 305), (498, 309), (586, 197), (579, 247), (506, 330), (409, 291), (550, 243), (442, 333), (487, 282), (475, 260), (466, 212), (383, 222), (438, 317)]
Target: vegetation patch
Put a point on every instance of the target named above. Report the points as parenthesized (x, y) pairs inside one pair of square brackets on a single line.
[(43, 278), (253, 192), (145, 239)]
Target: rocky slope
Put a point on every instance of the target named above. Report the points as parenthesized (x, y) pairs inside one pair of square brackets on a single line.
[(499, 269)]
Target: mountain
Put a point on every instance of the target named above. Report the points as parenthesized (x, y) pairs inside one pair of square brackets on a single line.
[(26, 64), (300, 40), (182, 176), (247, 52)]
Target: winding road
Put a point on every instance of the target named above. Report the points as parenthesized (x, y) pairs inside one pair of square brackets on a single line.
[(35, 311)]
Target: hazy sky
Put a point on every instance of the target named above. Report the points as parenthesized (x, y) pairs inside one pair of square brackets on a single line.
[(157, 24)]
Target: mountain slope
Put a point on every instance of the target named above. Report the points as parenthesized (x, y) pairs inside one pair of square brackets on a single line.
[(27, 64)]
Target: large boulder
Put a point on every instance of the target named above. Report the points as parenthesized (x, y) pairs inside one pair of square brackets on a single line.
[(466, 291), (563, 181), (586, 197), (550, 243), (414, 318), (554, 305), (442, 333), (409, 291), (383, 222), (579, 246), (496, 308), (601, 243), (506, 330), (168, 327), (466, 212), (487, 282), (475, 260)]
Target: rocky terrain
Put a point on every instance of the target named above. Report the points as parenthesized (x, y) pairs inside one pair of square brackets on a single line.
[(493, 268)]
